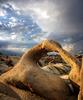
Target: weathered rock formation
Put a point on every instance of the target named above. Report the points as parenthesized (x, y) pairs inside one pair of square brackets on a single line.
[(58, 68), (27, 73), (9, 92), (72, 61), (80, 97)]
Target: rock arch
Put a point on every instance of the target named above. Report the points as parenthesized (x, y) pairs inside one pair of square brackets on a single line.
[(38, 81)]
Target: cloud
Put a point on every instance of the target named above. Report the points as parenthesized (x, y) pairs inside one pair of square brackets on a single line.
[(40, 12), (2, 12), (34, 20), (13, 36), (21, 25), (14, 46), (63, 15), (16, 49), (4, 44), (68, 47)]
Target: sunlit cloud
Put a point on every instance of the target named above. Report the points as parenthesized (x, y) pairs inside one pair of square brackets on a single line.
[(41, 14), (12, 24), (2, 12), (16, 49), (5, 38), (13, 37), (13, 19), (1, 38), (68, 47)]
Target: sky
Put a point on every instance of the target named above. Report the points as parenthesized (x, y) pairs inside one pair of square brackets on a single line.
[(24, 23)]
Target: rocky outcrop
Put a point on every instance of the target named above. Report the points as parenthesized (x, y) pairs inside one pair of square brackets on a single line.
[(80, 97), (6, 60), (68, 58), (58, 68), (9, 92), (28, 73)]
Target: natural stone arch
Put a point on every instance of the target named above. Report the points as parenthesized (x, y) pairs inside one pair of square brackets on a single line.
[(27, 72)]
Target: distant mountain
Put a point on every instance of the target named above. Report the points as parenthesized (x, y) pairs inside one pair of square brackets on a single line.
[(11, 53)]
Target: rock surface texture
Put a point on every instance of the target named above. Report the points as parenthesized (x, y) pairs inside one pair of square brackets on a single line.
[(27, 81)]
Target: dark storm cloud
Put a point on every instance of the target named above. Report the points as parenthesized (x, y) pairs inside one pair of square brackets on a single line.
[(70, 18), (3, 1), (74, 14), (4, 44)]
